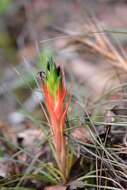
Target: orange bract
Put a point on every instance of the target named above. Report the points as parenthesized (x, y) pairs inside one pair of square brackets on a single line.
[(57, 109)]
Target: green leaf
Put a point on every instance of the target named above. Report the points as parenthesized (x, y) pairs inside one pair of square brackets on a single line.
[(1, 154)]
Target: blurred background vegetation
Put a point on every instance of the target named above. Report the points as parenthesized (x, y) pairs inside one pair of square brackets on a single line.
[(88, 38), (29, 28)]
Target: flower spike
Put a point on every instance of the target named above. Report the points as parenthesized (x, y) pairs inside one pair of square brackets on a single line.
[(54, 88)]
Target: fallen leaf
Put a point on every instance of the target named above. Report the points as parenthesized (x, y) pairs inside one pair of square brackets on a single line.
[(56, 187), (83, 134)]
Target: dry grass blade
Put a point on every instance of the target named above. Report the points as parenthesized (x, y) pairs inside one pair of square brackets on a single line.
[(96, 39)]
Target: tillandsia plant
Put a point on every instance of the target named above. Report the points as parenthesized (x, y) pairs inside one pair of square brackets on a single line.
[(55, 92)]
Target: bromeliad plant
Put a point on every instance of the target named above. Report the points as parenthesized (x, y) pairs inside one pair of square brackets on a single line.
[(55, 91)]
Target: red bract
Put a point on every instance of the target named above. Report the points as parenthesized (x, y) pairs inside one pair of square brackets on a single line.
[(57, 109)]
